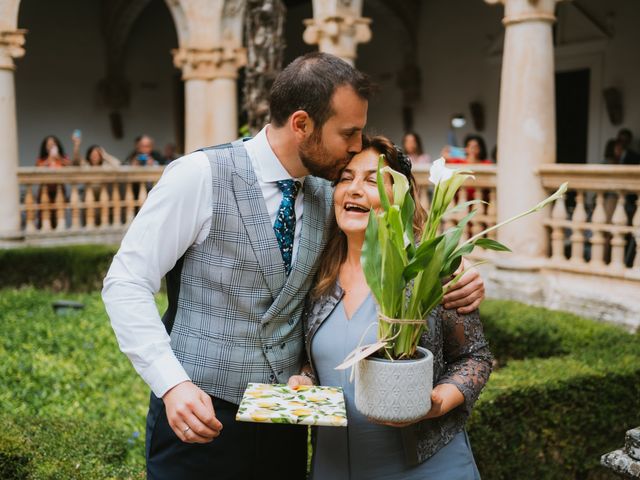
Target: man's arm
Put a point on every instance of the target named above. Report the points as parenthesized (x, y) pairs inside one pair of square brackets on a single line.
[(176, 215)]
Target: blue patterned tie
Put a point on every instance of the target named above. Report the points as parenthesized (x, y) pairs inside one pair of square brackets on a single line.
[(285, 225)]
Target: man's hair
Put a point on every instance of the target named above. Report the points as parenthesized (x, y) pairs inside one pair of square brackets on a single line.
[(309, 82)]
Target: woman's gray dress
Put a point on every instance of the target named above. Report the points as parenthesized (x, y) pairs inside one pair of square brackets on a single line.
[(365, 450)]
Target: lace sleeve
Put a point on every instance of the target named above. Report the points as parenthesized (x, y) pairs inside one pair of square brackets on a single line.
[(466, 355)]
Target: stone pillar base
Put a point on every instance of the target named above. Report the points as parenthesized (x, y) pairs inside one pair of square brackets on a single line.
[(625, 462)]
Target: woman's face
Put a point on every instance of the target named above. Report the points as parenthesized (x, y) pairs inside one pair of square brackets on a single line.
[(473, 149), (51, 142), (95, 158), (410, 145), (356, 192)]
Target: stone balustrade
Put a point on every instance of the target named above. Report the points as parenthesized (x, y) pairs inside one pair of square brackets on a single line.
[(74, 200), (595, 229)]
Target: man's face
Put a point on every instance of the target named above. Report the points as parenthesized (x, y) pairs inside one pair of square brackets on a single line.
[(145, 145), (328, 150)]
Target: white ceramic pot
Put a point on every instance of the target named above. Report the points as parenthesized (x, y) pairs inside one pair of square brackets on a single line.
[(394, 391)]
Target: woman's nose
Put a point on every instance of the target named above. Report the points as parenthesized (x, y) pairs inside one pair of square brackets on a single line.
[(355, 188)]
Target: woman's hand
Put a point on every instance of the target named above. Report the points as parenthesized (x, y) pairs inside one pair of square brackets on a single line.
[(297, 380), (444, 398)]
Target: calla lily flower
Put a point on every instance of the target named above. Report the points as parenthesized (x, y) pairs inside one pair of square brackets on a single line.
[(400, 185), (439, 173)]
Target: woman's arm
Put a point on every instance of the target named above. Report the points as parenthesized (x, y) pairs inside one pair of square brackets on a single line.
[(466, 354)]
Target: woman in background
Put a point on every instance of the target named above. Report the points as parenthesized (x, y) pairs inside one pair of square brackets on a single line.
[(412, 146)]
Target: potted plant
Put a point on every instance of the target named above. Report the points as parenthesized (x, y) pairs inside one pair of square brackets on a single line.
[(393, 378)]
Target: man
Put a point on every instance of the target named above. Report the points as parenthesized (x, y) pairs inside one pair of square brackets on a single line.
[(144, 154), (628, 155), (238, 229)]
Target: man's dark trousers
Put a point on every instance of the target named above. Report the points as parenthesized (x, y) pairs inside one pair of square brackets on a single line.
[(243, 451)]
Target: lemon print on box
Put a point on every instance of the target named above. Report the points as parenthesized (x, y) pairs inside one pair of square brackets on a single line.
[(302, 405)]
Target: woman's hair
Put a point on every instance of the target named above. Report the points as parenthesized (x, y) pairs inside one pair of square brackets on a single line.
[(335, 253), (416, 138), (43, 147), (481, 144)]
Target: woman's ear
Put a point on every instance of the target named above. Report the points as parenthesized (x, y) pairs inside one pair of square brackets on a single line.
[(301, 124)]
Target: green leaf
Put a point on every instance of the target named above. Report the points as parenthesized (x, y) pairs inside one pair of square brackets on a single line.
[(382, 192), (371, 258), (392, 268), (408, 209), (491, 244), (422, 257), (450, 265), (454, 234)]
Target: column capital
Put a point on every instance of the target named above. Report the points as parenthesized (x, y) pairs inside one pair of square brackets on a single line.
[(11, 46), (339, 36), (210, 63), (519, 11)]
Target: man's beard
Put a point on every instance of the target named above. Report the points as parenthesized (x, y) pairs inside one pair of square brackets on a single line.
[(317, 159)]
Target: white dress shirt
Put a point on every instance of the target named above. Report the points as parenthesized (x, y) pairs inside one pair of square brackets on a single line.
[(175, 216)]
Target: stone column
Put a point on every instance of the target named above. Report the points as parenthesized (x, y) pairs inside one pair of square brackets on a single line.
[(11, 43), (337, 27), (526, 124), (211, 103)]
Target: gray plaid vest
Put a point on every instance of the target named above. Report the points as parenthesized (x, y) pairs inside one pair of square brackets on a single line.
[(234, 314)]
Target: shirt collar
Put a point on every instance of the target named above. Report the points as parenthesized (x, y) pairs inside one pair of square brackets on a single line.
[(268, 167)]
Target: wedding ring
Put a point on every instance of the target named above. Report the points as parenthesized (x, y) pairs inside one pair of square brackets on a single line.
[(186, 429)]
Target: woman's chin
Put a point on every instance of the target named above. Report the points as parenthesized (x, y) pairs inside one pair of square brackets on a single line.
[(353, 228)]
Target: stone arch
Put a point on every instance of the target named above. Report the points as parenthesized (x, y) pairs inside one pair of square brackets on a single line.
[(180, 20)]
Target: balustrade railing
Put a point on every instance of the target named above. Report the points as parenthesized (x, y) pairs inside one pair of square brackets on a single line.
[(595, 229), (86, 200)]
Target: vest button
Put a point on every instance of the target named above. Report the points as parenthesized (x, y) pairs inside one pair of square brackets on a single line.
[(282, 346)]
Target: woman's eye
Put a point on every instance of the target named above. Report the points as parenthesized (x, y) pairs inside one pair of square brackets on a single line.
[(372, 180), (345, 179)]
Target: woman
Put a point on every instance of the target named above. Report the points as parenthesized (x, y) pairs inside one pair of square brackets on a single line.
[(340, 311), (475, 150), (412, 145), (52, 154)]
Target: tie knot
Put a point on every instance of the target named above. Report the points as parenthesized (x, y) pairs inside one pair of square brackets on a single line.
[(289, 188)]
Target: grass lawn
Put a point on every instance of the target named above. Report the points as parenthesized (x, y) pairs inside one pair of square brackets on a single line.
[(71, 404)]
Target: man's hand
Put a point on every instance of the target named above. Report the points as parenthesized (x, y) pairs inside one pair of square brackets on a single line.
[(190, 414), (467, 293)]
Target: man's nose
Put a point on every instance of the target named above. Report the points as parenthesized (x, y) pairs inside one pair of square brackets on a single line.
[(356, 144)]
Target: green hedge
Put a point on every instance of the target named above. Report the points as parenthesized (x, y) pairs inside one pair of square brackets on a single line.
[(565, 392), (76, 268)]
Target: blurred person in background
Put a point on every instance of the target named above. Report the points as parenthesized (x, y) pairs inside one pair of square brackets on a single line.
[(144, 154), (52, 153), (96, 156), (412, 146), (628, 156)]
